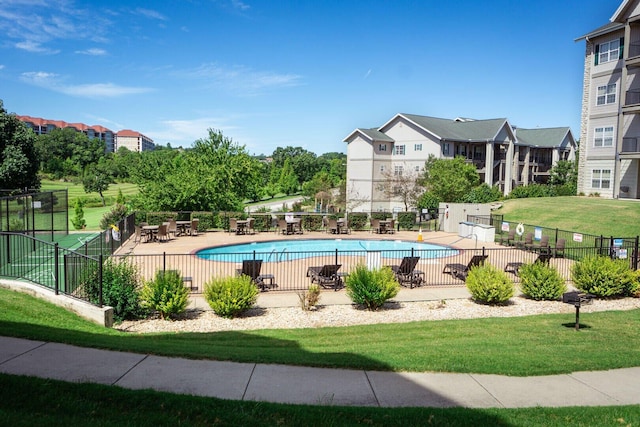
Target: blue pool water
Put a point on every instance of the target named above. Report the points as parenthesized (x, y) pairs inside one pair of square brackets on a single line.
[(278, 250)]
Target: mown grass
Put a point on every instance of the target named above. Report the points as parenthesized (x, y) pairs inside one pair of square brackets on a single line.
[(531, 345), (589, 215), (40, 402)]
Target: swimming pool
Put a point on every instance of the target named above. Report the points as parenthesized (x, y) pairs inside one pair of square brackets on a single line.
[(279, 250)]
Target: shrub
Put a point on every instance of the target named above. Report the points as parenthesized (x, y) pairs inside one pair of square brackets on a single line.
[(489, 285), (230, 296), (165, 294), (78, 220), (604, 277), (407, 220), (371, 288), (482, 194), (309, 299), (540, 281), (115, 215), (531, 190), (120, 290)]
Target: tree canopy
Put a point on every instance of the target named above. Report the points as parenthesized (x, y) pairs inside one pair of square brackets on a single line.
[(449, 180), (18, 157)]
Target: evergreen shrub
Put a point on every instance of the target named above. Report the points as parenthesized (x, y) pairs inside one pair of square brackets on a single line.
[(604, 277), (371, 288), (541, 282), (230, 296), (120, 289), (489, 285), (166, 294)]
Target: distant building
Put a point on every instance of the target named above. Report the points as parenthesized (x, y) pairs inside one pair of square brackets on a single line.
[(504, 157), (134, 141), (610, 135)]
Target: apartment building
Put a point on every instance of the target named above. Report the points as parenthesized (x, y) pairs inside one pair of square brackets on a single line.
[(609, 162), (503, 155), (134, 141), (44, 126)]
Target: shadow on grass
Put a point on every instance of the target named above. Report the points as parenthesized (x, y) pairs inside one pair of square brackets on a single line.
[(353, 387)]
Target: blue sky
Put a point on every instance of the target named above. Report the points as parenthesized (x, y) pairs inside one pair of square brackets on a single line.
[(299, 73)]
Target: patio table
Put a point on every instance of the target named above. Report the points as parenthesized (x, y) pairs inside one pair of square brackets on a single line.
[(150, 231), (183, 226)]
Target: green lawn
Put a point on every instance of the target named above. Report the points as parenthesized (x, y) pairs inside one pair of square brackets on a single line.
[(38, 402), (590, 215), (491, 346)]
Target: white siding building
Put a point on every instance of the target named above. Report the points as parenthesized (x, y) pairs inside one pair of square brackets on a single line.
[(610, 121), (404, 143)]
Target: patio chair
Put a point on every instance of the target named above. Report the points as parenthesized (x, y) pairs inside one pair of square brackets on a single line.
[(406, 272), (194, 226), (376, 227), (333, 226), (139, 235), (233, 225), (251, 226), (460, 270), (513, 267), (392, 226), (326, 276), (173, 227), (543, 246), (558, 250), (283, 227), (526, 243), (251, 268), (509, 239), (163, 234)]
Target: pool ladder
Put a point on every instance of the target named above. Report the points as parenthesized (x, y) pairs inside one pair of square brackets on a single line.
[(279, 258)]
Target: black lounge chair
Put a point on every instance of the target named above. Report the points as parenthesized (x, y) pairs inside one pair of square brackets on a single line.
[(460, 270), (406, 272), (514, 267), (252, 269), (326, 276)]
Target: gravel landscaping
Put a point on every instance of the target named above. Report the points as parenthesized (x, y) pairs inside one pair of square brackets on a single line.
[(196, 320)]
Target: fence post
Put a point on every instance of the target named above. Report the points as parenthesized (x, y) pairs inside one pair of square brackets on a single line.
[(336, 256), (100, 279), (56, 269), (635, 253), (164, 262)]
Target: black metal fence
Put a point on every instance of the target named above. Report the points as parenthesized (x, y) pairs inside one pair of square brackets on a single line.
[(74, 273), (43, 215)]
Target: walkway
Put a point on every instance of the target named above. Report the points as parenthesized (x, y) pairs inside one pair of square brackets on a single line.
[(315, 386)]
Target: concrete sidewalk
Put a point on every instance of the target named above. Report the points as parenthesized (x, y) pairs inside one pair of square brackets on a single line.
[(315, 386)]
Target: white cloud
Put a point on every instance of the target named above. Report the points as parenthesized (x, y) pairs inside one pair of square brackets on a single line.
[(185, 132), (242, 79), (95, 90), (238, 4), (31, 46), (94, 51), (151, 14)]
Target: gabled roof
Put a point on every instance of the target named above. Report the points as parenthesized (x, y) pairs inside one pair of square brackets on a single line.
[(452, 130), (370, 134), (605, 29), (128, 132), (543, 137), (620, 14)]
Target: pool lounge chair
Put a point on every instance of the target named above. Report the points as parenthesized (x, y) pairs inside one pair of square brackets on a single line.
[(326, 276), (406, 272), (252, 269), (460, 270), (514, 267)]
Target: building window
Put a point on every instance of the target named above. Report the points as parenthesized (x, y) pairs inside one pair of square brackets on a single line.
[(382, 147), (603, 137), (445, 148), (381, 168), (398, 171), (417, 147), (601, 178), (606, 94), (399, 150), (417, 168), (609, 51)]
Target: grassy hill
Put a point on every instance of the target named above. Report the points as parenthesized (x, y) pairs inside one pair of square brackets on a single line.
[(589, 215)]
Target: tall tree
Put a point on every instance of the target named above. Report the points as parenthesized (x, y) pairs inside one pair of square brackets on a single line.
[(288, 179), (449, 180), (97, 179), (67, 152), (303, 162), (18, 157), (402, 184)]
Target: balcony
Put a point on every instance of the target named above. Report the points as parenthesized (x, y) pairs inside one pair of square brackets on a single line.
[(634, 55), (632, 102), (630, 145)]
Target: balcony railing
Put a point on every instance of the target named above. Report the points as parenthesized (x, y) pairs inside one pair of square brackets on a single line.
[(634, 49), (632, 97), (630, 145)]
